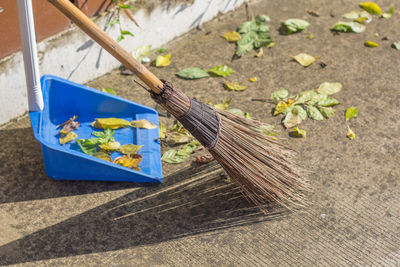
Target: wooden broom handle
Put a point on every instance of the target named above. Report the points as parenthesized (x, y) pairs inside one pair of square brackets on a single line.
[(97, 34)]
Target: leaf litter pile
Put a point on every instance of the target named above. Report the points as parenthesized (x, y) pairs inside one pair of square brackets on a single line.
[(102, 143)]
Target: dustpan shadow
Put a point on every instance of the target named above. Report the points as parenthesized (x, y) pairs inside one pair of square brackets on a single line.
[(22, 175), (192, 201)]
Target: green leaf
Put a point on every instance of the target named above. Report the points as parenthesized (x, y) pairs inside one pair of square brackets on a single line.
[(300, 111), (357, 15), (143, 124), (109, 90), (223, 105), (295, 25), (279, 95), (319, 98), (348, 27), (192, 73), (179, 138), (120, 38), (110, 146), (162, 50), (329, 88), (305, 96), (314, 113), (178, 156), (328, 101), (304, 59), (86, 148), (237, 112), (266, 129), (396, 45), (126, 6), (327, 112), (262, 18), (297, 132), (291, 119), (351, 112), (113, 22), (141, 52), (371, 8), (124, 32), (389, 13), (221, 70), (129, 149)]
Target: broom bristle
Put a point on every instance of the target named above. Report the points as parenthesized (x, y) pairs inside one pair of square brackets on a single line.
[(263, 168)]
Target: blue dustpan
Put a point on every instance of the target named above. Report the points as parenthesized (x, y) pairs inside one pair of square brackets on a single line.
[(58, 99)]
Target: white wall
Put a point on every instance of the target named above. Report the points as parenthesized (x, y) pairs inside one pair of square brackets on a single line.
[(72, 55)]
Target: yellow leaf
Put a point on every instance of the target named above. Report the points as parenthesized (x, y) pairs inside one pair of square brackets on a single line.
[(350, 133), (163, 61), (67, 138), (231, 36), (280, 108), (270, 45), (361, 20), (131, 161), (290, 102), (304, 59), (371, 7), (253, 79), (144, 124), (162, 129), (102, 155), (112, 123), (234, 86), (371, 44), (129, 149), (260, 52), (297, 132), (110, 146)]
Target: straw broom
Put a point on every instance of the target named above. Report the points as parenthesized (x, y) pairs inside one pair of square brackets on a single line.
[(264, 169)]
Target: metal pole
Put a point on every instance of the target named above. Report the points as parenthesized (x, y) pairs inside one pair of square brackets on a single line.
[(28, 39)]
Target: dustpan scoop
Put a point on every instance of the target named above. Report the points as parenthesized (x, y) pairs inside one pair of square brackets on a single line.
[(29, 51)]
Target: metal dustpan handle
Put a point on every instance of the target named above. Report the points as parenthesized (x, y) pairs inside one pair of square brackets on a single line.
[(29, 50)]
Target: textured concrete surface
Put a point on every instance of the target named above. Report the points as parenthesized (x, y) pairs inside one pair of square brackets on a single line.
[(196, 218)]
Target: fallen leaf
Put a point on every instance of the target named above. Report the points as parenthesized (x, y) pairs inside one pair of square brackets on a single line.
[(141, 52), (253, 79), (300, 111), (350, 134), (112, 123), (87, 147), (291, 120), (297, 132), (69, 125), (110, 146), (348, 27), (279, 95), (162, 50), (254, 34), (389, 13), (371, 44), (329, 88), (131, 161), (281, 107), (143, 124), (305, 96), (204, 159), (223, 105), (109, 90), (327, 101), (396, 45), (260, 52), (270, 45), (304, 59), (295, 25), (67, 138), (314, 113), (129, 149), (163, 61), (221, 70), (371, 8), (162, 129), (350, 113), (234, 86), (266, 129), (358, 16), (102, 155), (310, 37), (178, 156), (179, 138), (327, 112), (192, 73), (231, 36)]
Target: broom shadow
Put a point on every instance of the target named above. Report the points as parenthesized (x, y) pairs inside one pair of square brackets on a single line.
[(192, 201)]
